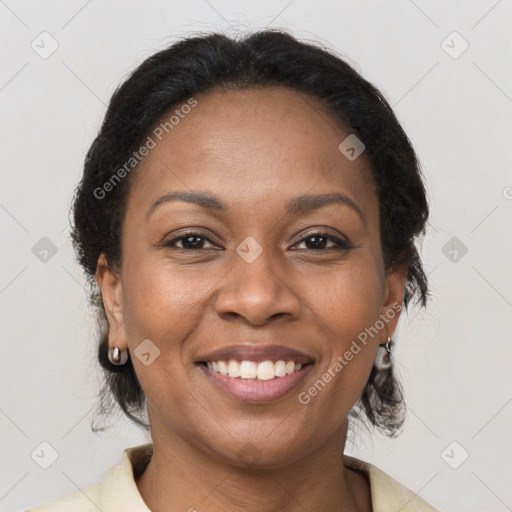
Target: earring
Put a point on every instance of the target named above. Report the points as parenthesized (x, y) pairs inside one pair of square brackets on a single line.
[(383, 358), (117, 357)]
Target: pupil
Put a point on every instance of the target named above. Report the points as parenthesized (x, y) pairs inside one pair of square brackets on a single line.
[(193, 244), (319, 241)]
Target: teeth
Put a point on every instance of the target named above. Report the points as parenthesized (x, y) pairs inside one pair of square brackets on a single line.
[(266, 370), (280, 367), (248, 370), (223, 367), (234, 368)]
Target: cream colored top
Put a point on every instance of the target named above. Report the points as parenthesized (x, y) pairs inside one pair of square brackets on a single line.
[(118, 491)]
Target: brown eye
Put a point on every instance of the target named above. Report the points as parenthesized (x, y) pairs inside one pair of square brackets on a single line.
[(189, 241), (319, 241)]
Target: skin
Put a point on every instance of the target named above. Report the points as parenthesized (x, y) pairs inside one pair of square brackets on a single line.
[(255, 150)]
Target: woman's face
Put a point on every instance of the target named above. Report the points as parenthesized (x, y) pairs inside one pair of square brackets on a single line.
[(249, 273)]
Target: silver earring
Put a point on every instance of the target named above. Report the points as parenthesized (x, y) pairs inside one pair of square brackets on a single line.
[(117, 357), (383, 358)]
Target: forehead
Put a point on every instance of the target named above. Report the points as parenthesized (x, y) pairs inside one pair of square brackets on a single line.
[(263, 144)]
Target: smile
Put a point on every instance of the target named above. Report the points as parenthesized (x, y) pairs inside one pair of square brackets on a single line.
[(249, 381), (264, 370)]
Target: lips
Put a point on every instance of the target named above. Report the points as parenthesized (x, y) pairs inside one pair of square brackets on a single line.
[(255, 387), (256, 353)]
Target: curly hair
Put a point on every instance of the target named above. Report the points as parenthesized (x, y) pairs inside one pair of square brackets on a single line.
[(261, 59)]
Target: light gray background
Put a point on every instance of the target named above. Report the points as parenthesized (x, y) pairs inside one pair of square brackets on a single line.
[(455, 358)]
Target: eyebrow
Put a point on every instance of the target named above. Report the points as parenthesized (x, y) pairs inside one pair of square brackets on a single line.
[(298, 205)]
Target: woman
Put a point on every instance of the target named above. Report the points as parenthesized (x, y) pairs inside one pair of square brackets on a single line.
[(249, 212)]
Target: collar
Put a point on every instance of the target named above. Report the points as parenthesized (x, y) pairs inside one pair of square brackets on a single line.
[(119, 490)]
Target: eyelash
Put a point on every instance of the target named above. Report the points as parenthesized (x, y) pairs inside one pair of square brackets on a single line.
[(341, 244)]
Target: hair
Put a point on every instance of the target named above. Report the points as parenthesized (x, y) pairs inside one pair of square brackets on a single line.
[(267, 58)]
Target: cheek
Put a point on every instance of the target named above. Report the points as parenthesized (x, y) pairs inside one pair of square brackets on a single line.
[(162, 299), (164, 305), (348, 311), (349, 300)]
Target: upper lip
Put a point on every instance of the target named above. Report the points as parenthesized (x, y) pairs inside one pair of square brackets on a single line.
[(256, 353)]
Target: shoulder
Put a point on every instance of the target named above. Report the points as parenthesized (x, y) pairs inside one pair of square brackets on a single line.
[(118, 488), (84, 500), (387, 494)]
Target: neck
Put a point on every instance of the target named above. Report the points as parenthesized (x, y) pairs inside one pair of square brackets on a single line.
[(181, 476)]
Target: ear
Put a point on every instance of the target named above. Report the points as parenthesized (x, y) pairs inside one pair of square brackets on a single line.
[(393, 298), (111, 288)]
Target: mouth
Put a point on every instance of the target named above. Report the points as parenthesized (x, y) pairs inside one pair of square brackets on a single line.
[(253, 373), (262, 371)]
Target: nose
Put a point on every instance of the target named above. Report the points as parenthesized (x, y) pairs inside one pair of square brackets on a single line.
[(257, 292)]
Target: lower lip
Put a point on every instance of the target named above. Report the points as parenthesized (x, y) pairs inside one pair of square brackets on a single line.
[(253, 390)]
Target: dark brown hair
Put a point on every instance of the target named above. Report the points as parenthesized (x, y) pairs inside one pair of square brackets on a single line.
[(267, 58)]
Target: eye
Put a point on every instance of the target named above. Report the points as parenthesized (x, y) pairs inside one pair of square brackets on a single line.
[(314, 241), (319, 241), (189, 241)]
